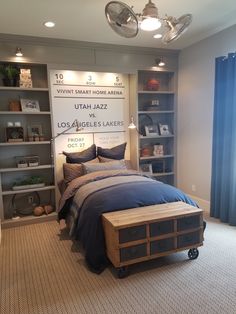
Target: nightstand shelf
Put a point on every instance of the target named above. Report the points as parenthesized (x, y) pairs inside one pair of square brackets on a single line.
[(33, 145), (155, 117), (13, 169), (45, 188)]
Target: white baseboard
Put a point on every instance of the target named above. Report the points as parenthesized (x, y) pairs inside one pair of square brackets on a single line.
[(203, 204)]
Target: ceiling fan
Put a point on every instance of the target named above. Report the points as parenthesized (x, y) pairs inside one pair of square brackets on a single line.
[(126, 23)]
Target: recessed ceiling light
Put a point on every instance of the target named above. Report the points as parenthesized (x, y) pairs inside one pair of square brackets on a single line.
[(49, 24), (157, 36)]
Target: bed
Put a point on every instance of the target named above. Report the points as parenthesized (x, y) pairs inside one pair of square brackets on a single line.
[(105, 187)]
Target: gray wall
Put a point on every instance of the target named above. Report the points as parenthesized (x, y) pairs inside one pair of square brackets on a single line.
[(195, 111)]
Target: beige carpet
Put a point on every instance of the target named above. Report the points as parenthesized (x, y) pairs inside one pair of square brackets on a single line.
[(43, 272)]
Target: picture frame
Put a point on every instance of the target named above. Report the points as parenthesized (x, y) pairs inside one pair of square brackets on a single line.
[(35, 130), (164, 129), (146, 168), (158, 150), (14, 134), (151, 130), (29, 105)]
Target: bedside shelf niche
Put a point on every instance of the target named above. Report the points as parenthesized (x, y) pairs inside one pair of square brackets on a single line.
[(157, 108), (9, 172)]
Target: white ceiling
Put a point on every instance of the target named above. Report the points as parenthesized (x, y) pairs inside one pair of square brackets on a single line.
[(84, 20)]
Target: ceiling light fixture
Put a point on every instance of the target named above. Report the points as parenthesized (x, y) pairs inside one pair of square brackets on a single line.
[(150, 20), (126, 23), (49, 24), (19, 52), (160, 62)]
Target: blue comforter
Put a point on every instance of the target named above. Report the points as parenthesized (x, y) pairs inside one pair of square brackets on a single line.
[(105, 196)]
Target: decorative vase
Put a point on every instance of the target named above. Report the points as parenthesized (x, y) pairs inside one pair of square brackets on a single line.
[(9, 82)]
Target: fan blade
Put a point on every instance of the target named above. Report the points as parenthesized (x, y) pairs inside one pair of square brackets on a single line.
[(176, 27), (122, 19)]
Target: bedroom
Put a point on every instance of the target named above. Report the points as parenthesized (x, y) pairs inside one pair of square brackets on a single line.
[(194, 137)]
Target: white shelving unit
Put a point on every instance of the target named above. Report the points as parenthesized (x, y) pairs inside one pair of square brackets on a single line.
[(152, 108), (9, 172)]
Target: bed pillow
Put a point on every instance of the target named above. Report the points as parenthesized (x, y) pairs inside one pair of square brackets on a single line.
[(79, 157), (110, 165), (117, 152), (104, 159), (72, 171)]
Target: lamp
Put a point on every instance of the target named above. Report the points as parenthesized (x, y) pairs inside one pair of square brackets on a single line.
[(19, 52), (78, 129), (125, 22), (160, 62), (133, 126), (75, 123), (150, 20)]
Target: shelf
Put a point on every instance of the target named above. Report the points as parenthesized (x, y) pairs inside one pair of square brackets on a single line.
[(162, 174), (9, 170), (33, 89), (14, 222), (155, 111), (25, 143), (155, 92), (26, 168), (11, 192), (156, 136), (24, 113), (156, 157)]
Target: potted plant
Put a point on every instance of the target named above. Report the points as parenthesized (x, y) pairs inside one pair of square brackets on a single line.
[(10, 74), (29, 183)]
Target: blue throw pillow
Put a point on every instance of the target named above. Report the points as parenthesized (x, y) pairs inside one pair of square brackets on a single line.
[(79, 157), (117, 152)]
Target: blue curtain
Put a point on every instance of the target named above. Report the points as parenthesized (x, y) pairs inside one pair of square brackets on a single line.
[(223, 181)]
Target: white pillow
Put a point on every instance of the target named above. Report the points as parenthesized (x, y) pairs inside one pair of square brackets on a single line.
[(110, 165)]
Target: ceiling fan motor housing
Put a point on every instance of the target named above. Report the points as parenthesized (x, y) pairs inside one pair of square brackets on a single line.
[(150, 10)]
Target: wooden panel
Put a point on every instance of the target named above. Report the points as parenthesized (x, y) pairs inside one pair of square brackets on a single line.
[(163, 227), (135, 216), (132, 234), (188, 239), (133, 252), (189, 222), (161, 246)]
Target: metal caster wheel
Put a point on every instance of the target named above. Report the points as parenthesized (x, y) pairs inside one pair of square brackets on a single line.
[(193, 253), (122, 272)]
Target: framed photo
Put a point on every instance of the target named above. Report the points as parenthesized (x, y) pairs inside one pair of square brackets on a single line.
[(29, 105), (164, 129), (14, 134), (147, 168), (151, 130), (158, 150), (35, 130)]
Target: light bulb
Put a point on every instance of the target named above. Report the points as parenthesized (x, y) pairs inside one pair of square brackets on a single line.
[(150, 24)]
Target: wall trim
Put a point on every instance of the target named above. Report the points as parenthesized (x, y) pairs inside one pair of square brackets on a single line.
[(204, 204), (57, 42)]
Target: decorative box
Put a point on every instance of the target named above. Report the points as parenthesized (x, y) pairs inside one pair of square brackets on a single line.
[(14, 134), (27, 161)]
